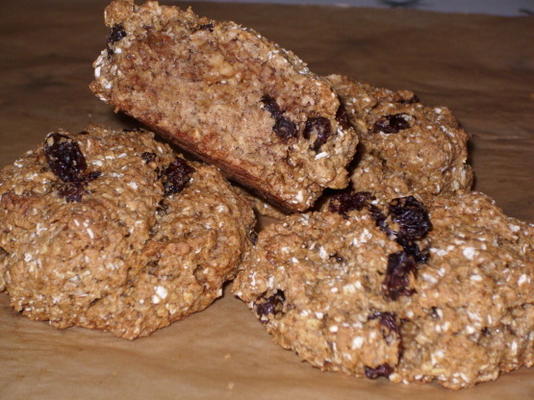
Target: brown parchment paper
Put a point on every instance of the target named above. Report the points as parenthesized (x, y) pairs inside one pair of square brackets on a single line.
[(480, 66)]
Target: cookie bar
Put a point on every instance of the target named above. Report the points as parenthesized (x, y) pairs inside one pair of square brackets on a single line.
[(112, 230), (406, 147), (230, 96), (400, 290)]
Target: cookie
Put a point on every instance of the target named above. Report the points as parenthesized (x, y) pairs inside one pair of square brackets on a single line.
[(412, 292), (232, 97), (112, 230), (406, 148), (261, 208)]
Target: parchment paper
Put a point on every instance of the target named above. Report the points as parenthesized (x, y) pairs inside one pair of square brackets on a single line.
[(482, 67)]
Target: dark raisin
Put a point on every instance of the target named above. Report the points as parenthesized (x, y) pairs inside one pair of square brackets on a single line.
[(412, 217), (380, 218), (64, 157), (148, 157), (270, 306), (387, 319), (348, 200), (117, 33), (395, 284), (320, 126), (411, 100), (338, 258), (176, 176), (383, 370), (342, 117), (285, 129), (91, 176), (434, 312), (162, 208), (391, 123), (205, 27), (270, 105), (71, 191), (411, 248)]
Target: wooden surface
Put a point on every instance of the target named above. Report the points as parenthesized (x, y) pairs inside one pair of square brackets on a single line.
[(481, 67)]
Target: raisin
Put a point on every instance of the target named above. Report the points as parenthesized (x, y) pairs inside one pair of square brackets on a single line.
[(117, 33), (348, 200), (67, 162), (338, 258), (342, 117), (412, 217), (387, 319), (271, 306), (391, 123), (148, 157), (434, 312), (395, 284), (411, 248), (205, 27), (176, 176), (71, 191), (382, 370), (162, 208), (74, 191), (411, 100), (321, 127), (285, 129), (270, 105), (91, 176), (380, 218), (64, 157)]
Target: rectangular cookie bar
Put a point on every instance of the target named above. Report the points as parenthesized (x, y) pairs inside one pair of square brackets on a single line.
[(230, 96)]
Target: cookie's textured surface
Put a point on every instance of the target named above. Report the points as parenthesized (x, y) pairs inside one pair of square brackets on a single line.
[(224, 92), (406, 147), (262, 208), (111, 230), (393, 291)]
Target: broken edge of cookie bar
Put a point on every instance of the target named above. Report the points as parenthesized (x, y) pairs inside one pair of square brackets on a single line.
[(230, 96)]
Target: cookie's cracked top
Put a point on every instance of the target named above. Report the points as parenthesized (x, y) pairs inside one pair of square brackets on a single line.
[(229, 95), (440, 292), (406, 148), (113, 230)]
